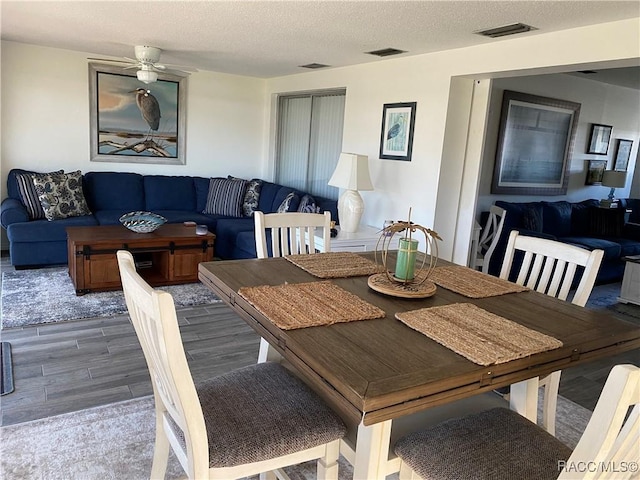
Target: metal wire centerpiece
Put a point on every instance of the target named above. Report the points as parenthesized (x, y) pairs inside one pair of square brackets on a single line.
[(396, 284)]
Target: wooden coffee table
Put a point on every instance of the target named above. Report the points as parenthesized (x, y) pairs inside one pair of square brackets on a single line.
[(168, 256)]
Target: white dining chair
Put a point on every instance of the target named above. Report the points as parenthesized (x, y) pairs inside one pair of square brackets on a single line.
[(250, 421), (489, 238), (290, 233), (500, 444), (550, 267)]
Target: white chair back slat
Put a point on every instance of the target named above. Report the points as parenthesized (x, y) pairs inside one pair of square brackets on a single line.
[(556, 273)]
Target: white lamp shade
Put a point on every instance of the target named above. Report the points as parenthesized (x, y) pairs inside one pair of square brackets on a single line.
[(614, 179), (352, 172), (147, 76)]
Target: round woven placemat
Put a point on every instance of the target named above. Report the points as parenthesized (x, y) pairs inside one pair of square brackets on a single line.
[(381, 283)]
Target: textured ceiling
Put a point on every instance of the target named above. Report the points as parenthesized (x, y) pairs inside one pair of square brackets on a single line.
[(273, 38)]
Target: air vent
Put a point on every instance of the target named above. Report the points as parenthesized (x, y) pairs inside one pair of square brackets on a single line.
[(386, 52), (314, 65), (587, 72), (506, 30)]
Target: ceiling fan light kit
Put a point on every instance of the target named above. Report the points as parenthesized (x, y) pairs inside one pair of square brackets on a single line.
[(147, 76), (146, 62)]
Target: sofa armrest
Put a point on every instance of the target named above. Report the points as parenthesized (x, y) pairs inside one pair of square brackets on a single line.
[(12, 211), (631, 230)]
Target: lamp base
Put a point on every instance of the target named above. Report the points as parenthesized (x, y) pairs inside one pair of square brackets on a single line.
[(350, 210)]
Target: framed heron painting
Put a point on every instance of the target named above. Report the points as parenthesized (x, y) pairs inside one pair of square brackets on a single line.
[(396, 137), (134, 122)]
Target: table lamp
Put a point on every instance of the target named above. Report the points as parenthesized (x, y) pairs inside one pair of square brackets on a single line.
[(613, 179), (352, 174)]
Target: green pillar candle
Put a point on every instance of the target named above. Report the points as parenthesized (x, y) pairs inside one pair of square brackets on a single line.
[(406, 261)]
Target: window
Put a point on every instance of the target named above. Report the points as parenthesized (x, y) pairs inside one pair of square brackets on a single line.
[(310, 140)]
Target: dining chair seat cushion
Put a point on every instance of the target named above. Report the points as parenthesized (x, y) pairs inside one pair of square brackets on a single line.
[(495, 444), (261, 412)]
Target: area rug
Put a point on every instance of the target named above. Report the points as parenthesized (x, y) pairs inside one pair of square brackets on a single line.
[(605, 297), (6, 369), (46, 295), (116, 441)]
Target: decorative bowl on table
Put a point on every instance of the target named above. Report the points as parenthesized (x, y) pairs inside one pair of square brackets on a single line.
[(142, 222)]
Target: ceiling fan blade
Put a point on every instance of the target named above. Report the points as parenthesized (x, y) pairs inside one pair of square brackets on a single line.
[(180, 67), (109, 60)]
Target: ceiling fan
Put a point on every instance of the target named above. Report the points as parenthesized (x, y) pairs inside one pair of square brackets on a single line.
[(146, 62)]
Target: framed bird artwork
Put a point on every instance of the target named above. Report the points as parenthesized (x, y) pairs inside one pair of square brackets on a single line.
[(136, 122), (396, 137)]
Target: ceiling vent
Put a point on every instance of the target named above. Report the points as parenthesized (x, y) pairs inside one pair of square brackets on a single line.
[(587, 72), (313, 66), (386, 52), (506, 30)]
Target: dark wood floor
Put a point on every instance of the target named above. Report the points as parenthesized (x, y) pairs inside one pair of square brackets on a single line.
[(69, 366)]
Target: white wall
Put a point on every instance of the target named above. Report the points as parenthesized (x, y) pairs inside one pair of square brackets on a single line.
[(600, 103), (426, 80), (45, 118)]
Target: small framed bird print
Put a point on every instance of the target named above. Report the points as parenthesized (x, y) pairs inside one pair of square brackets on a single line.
[(136, 122), (396, 138)]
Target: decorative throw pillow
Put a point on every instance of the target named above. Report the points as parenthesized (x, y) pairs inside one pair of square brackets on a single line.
[(251, 197), (28, 194), (61, 195), (285, 206), (308, 205), (225, 197)]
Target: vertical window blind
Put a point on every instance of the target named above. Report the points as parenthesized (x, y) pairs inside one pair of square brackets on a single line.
[(310, 141)]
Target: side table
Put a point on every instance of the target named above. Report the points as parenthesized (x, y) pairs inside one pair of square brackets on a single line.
[(364, 240), (630, 291)]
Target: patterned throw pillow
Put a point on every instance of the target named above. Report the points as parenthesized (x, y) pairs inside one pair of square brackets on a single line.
[(29, 196), (225, 197), (251, 197), (61, 195), (308, 205), (285, 206)]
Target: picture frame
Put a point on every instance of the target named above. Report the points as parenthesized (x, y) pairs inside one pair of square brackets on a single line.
[(595, 171), (119, 131), (623, 153), (396, 136), (535, 144), (599, 139)]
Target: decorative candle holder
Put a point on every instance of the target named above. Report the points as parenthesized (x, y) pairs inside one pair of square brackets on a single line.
[(410, 277)]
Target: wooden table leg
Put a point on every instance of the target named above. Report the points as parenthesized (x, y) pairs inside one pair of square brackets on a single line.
[(523, 398), (372, 451)]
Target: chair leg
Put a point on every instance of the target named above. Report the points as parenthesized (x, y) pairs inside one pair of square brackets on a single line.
[(551, 385), (270, 475), (406, 473), (160, 451), (328, 465), (267, 353)]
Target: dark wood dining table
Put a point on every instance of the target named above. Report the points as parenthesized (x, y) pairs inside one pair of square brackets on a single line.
[(374, 371)]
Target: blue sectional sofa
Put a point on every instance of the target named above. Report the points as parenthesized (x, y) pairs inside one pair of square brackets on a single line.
[(37, 242), (582, 223)]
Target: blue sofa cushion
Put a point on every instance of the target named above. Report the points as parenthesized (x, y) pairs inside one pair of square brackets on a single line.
[(29, 195), (202, 190), (611, 249), (169, 193), (628, 246), (556, 218), (581, 213), (46, 231), (114, 191), (228, 232), (532, 218)]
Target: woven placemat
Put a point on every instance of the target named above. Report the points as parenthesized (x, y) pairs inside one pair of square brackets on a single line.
[(335, 264), (478, 335), (471, 283), (300, 305)]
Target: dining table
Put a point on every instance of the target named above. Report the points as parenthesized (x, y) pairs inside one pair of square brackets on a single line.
[(377, 370)]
